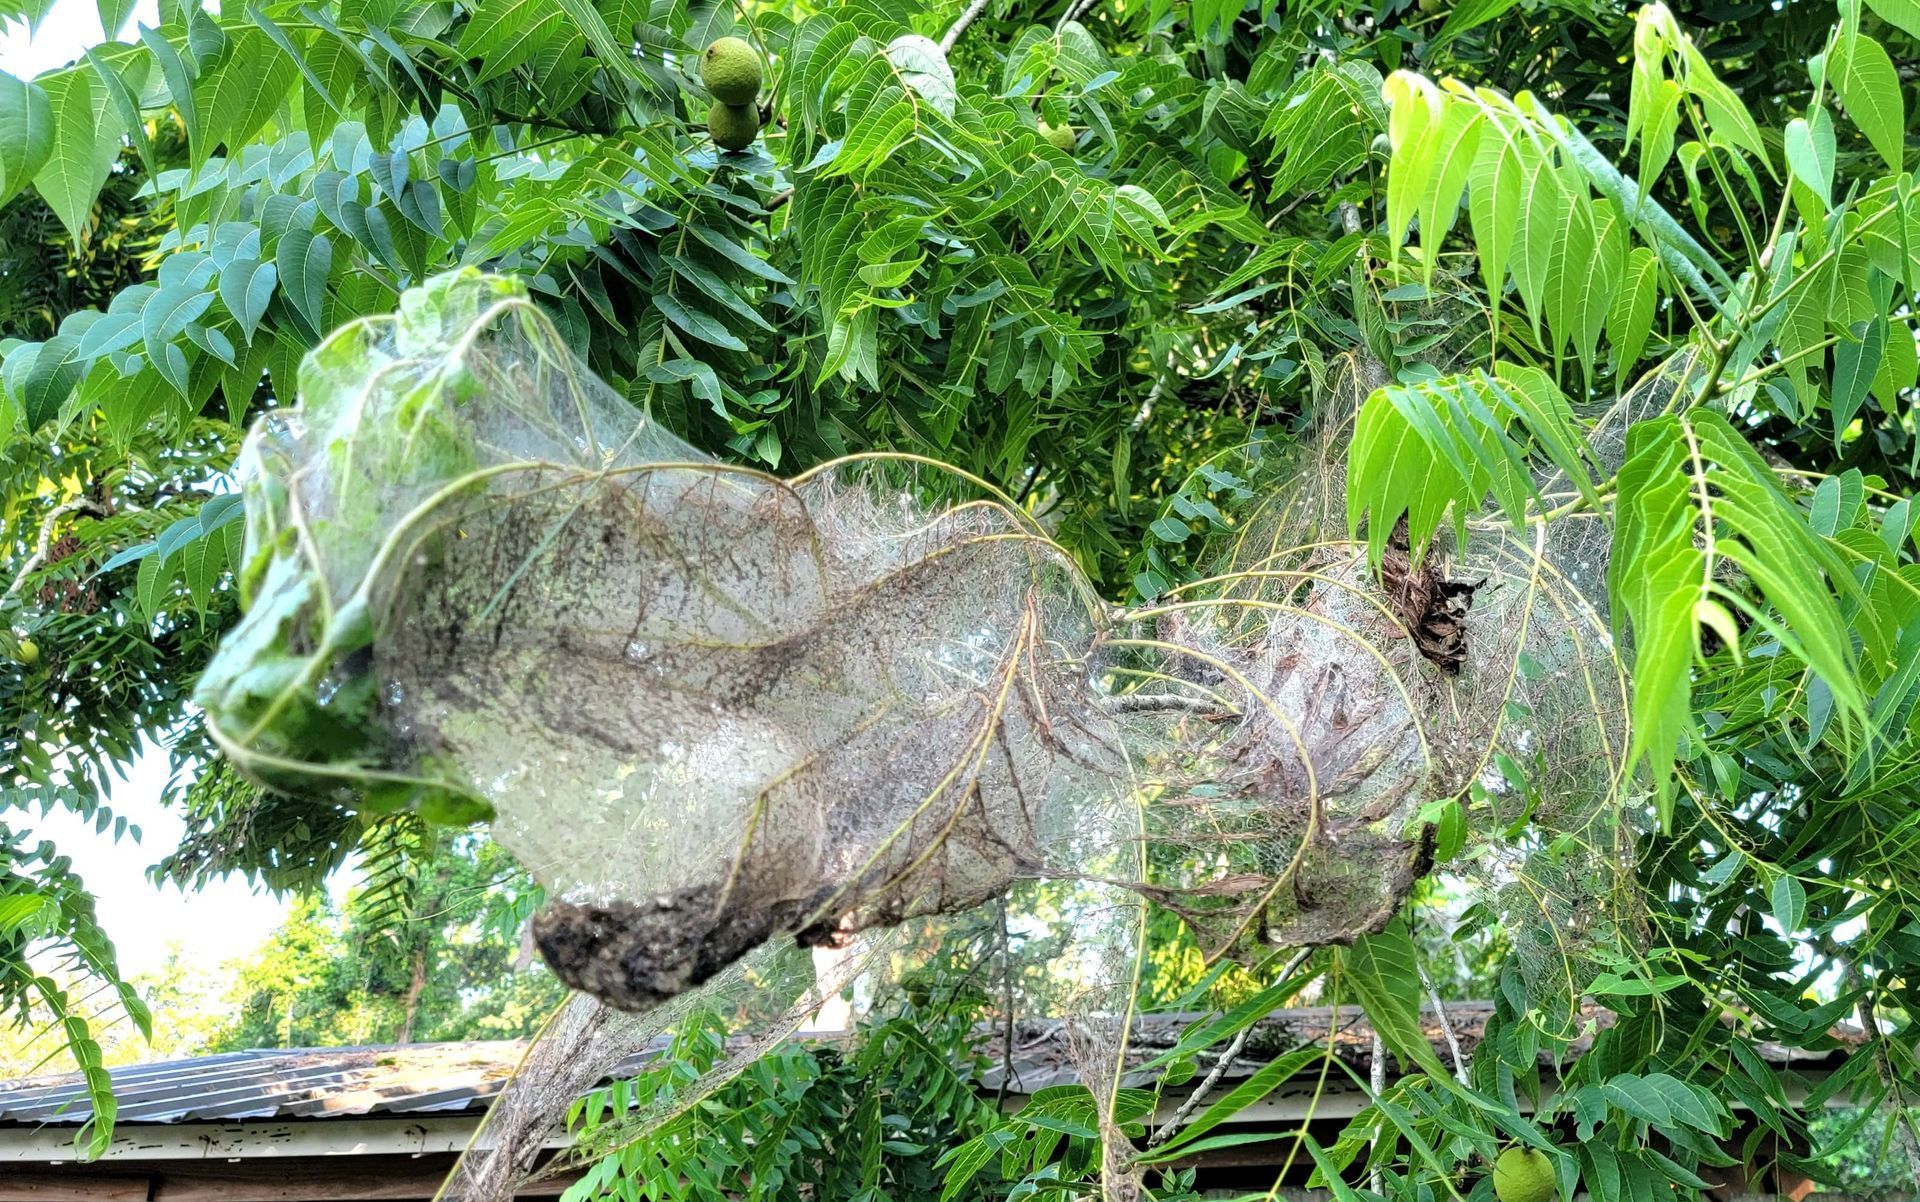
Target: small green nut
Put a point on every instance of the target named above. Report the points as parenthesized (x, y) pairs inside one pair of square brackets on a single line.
[(1060, 137), (733, 126), (27, 652), (731, 70), (1524, 1175)]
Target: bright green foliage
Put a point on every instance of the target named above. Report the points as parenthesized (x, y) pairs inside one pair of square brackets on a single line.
[(425, 949), (1691, 494), (1430, 447), (1705, 226)]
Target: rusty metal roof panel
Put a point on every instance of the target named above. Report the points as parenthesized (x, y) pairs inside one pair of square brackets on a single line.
[(444, 1078), (279, 1083)]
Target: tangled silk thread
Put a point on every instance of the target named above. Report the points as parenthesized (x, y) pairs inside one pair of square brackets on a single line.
[(707, 707)]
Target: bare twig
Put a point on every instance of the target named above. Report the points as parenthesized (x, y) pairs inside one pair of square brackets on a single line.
[(1377, 1083), (1027, 482), (1221, 1065), (960, 26), (1074, 12), (1187, 1107), (1446, 1025), (1135, 702), (1145, 412), (43, 547), (1006, 991)]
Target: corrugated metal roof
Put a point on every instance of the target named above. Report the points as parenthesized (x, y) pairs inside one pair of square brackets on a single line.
[(423, 1078), (280, 1083)]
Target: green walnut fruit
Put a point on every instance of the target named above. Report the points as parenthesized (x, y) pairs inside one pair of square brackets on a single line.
[(733, 126), (731, 70), (27, 652), (1523, 1175), (1061, 137)]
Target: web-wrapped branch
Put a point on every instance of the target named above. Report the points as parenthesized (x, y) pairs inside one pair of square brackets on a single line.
[(708, 708)]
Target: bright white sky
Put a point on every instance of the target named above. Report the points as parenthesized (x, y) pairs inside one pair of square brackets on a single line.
[(226, 919), (218, 923), (69, 28)]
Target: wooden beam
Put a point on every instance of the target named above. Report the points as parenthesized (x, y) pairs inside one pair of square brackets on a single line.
[(372, 1135), (321, 1179)]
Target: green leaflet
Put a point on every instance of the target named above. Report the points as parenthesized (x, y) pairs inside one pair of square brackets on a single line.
[(246, 285), (85, 141), (1903, 13), (1870, 88), (236, 98), (1427, 448), (1691, 494), (506, 33), (1856, 360), (1659, 594), (1810, 152), (1383, 973), (1630, 320), (26, 116)]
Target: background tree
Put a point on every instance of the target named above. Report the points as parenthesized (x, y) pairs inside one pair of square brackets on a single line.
[(434, 955)]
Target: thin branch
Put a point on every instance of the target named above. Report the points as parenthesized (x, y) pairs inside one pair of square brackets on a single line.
[(44, 546), (1377, 1082), (1187, 1107), (1145, 412), (1446, 1024), (1221, 1065), (1027, 482), (1006, 988), (1074, 12), (1128, 703), (959, 27)]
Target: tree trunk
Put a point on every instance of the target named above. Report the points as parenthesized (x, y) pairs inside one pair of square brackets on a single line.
[(410, 1009)]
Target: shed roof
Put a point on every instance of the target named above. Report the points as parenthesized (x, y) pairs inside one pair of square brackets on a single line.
[(450, 1078)]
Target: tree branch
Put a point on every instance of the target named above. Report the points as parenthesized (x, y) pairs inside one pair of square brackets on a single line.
[(1220, 1066), (1075, 10), (1377, 1085), (1446, 1024), (43, 547), (1128, 703), (959, 27)]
